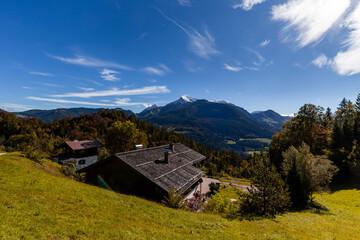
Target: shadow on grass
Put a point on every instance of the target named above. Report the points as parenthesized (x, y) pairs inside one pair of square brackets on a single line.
[(352, 182), (313, 207)]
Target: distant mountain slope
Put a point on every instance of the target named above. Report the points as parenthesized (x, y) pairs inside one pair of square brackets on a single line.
[(60, 113), (214, 124), (270, 118)]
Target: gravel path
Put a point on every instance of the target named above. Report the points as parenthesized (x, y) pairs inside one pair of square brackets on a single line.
[(238, 186)]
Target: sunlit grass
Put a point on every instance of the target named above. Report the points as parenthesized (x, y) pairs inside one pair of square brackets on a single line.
[(37, 203)]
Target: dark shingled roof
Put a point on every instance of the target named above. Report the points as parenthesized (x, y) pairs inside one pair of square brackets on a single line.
[(179, 172), (80, 145)]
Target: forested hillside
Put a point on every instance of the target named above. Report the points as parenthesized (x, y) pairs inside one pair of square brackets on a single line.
[(220, 125), (37, 138)]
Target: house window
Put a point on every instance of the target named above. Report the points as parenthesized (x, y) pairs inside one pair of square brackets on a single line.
[(82, 161)]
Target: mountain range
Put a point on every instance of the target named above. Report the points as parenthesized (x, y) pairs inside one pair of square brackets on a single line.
[(218, 124)]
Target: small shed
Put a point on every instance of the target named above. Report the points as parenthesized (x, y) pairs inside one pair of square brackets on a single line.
[(150, 172)]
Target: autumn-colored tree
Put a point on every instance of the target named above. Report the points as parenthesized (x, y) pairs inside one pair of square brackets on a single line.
[(306, 173), (123, 136), (310, 125)]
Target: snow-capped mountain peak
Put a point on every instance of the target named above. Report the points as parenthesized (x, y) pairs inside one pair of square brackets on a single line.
[(188, 99)]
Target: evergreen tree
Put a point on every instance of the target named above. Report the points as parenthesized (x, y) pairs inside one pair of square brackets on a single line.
[(268, 195)]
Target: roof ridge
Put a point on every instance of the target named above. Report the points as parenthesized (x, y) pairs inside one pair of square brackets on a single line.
[(139, 150)]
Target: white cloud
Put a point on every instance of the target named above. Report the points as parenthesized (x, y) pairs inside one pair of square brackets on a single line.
[(41, 74), (202, 45), (264, 43), (311, 19), (127, 102), (86, 89), (256, 64), (117, 103), (347, 62), (26, 87), (14, 107), (160, 71), (69, 101), (185, 3), (89, 62), (109, 75), (51, 85), (117, 92), (247, 4), (321, 61), (232, 68)]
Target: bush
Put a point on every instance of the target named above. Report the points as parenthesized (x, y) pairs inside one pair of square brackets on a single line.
[(34, 155), (267, 195), (174, 200), (220, 202), (214, 187), (306, 173)]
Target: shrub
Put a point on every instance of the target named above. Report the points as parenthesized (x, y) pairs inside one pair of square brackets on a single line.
[(267, 195), (214, 187), (34, 155), (220, 203), (306, 173), (174, 199)]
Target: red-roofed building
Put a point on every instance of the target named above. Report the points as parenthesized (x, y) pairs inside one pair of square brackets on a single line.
[(81, 153)]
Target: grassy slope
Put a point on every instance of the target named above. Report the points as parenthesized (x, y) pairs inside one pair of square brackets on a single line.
[(38, 204)]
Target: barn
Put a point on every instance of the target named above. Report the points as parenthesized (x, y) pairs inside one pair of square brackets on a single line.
[(150, 172)]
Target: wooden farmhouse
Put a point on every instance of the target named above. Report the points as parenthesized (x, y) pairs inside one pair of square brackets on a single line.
[(81, 153), (150, 172)]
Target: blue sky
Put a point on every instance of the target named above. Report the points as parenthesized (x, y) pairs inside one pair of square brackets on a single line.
[(257, 54)]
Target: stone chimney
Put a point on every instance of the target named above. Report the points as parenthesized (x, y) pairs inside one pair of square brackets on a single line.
[(172, 147), (167, 156)]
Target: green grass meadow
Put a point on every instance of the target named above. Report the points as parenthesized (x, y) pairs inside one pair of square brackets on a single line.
[(37, 202)]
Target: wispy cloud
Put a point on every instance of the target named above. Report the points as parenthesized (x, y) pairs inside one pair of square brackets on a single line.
[(86, 89), (41, 74), (89, 62), (347, 62), (202, 45), (321, 61), (307, 21), (106, 103), (233, 68), (142, 36), (184, 3), (127, 102), (160, 71), (70, 101), (50, 85), (247, 4), (264, 43), (14, 107), (109, 75), (191, 66), (117, 92), (26, 87), (256, 64)]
